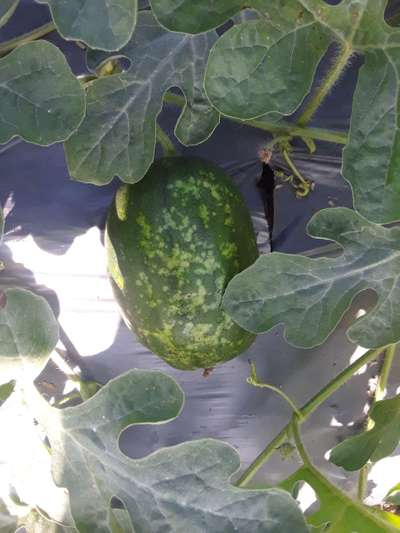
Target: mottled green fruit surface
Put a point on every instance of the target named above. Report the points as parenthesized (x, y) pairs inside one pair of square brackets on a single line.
[(174, 241)]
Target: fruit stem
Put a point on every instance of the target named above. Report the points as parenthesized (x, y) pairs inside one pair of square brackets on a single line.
[(307, 409), (378, 396), (281, 128), (37, 33), (165, 142)]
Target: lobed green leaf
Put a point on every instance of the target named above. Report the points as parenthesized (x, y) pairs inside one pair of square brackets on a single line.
[(118, 134), (40, 98), (181, 488), (262, 66), (374, 444), (101, 24), (310, 296)]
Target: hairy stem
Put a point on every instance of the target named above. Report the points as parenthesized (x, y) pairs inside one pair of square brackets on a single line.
[(306, 411), (165, 142), (378, 396), (326, 86), (37, 33), (283, 128)]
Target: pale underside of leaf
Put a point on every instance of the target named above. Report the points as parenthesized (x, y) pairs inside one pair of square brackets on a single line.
[(182, 488), (25, 463), (101, 24), (310, 296), (40, 98), (117, 136), (342, 514)]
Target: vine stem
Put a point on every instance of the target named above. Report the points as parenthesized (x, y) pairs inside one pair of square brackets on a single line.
[(165, 142), (283, 128), (37, 33), (253, 380), (378, 396), (295, 426), (327, 84), (305, 411)]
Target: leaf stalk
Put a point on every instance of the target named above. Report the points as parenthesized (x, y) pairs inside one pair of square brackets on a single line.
[(37, 33), (307, 409), (327, 84), (284, 129)]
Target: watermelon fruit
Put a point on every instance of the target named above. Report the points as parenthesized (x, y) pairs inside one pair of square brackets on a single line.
[(174, 241)]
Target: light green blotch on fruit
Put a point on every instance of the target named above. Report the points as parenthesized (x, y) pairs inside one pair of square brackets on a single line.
[(229, 250), (204, 214)]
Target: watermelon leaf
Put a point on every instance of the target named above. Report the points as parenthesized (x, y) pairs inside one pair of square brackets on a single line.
[(41, 100), (310, 296), (374, 444), (337, 512), (190, 16), (117, 136), (181, 488), (28, 334), (25, 462), (286, 54), (101, 24), (246, 85), (7, 8)]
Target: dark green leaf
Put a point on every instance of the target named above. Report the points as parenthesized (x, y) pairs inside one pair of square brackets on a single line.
[(261, 67), (374, 444), (310, 296), (7, 8), (182, 488), (190, 16), (337, 509), (40, 98), (28, 334), (101, 24), (371, 160), (117, 136)]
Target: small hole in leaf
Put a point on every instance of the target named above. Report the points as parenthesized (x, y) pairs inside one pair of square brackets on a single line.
[(391, 13), (306, 497)]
